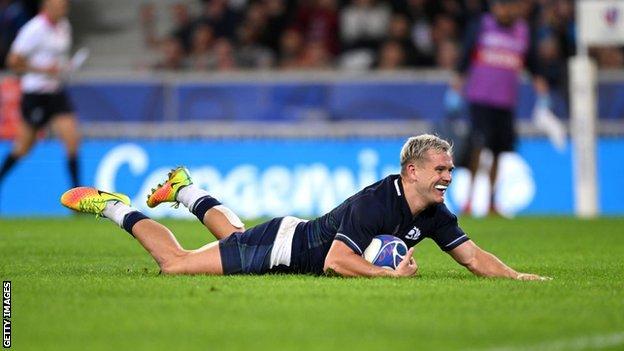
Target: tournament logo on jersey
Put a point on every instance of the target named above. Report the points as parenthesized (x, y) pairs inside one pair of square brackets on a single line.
[(413, 234)]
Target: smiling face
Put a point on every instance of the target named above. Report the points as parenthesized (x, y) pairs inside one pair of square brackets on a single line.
[(433, 175)]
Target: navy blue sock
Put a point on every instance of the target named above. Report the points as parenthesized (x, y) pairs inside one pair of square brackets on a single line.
[(72, 165), (8, 163), (202, 205), (131, 219)]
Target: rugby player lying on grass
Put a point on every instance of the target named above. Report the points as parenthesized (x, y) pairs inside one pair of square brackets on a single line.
[(409, 205)]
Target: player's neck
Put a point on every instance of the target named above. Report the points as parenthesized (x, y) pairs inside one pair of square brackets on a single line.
[(50, 19), (414, 201)]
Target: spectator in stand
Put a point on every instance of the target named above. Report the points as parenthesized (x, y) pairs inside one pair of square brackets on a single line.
[(451, 8), (201, 47), (250, 53), (291, 48), (222, 59), (182, 24), (277, 17), (315, 56), (399, 31), (13, 16), (609, 57), (447, 55), (420, 30), (364, 24), (256, 17), (147, 19), (220, 17), (444, 28), (391, 56), (317, 21), (172, 56)]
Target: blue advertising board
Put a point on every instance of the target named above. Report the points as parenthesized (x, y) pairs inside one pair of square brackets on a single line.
[(272, 177), (149, 100)]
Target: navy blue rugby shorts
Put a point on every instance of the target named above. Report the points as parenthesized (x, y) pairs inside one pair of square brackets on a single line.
[(262, 249)]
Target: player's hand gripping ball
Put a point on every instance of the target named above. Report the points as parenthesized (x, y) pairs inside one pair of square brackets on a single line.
[(385, 251)]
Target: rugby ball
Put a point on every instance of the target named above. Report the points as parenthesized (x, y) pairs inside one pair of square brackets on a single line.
[(385, 251)]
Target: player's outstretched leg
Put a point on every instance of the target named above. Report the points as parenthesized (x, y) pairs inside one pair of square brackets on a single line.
[(179, 188), (155, 238)]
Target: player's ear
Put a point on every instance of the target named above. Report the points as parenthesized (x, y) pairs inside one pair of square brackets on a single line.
[(412, 172)]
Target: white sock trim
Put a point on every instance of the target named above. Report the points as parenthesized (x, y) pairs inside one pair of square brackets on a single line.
[(116, 211), (189, 195)]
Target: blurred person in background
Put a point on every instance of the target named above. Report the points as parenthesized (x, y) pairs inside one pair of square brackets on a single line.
[(364, 24), (40, 53), (391, 56), (250, 53), (220, 17), (202, 44), (290, 50), (183, 25), (13, 16), (317, 21), (609, 57), (363, 27), (399, 31), (444, 28), (172, 55), (495, 50), (222, 58), (420, 14), (315, 56), (147, 19), (278, 14), (447, 55)]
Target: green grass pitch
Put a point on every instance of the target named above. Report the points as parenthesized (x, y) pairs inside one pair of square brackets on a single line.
[(82, 284)]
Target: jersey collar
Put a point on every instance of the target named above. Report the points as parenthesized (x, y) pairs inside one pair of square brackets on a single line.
[(400, 194)]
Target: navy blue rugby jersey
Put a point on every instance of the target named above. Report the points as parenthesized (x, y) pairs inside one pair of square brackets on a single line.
[(380, 208)]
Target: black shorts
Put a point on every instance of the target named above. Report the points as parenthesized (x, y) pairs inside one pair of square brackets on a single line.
[(39, 109), (492, 128)]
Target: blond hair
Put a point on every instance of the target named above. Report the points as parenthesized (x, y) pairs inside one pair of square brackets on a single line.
[(416, 147)]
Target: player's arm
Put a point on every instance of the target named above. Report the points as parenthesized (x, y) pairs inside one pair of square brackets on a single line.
[(485, 264), (342, 260), (19, 64)]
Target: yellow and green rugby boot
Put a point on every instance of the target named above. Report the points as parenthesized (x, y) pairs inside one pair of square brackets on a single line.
[(90, 200), (177, 179)]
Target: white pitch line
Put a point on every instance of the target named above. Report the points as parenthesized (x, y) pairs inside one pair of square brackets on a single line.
[(580, 343)]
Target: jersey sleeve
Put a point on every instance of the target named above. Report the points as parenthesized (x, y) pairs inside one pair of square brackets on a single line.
[(359, 224), (26, 41), (447, 234)]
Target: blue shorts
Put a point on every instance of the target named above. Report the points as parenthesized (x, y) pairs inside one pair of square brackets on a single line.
[(264, 248)]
